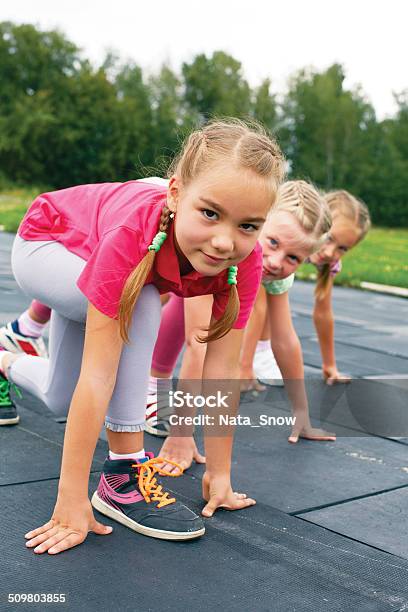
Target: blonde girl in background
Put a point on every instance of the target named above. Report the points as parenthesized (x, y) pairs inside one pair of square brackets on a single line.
[(351, 222), (296, 228)]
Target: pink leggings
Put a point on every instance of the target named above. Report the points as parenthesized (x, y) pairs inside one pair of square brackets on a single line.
[(42, 311), (171, 333)]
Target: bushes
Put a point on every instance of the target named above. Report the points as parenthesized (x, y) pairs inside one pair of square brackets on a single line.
[(64, 122)]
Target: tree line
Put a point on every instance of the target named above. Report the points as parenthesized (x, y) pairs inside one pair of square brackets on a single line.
[(65, 122)]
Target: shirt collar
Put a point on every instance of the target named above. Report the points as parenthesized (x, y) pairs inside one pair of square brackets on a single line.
[(166, 262)]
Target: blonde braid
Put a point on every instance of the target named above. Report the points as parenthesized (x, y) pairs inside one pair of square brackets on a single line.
[(137, 278)]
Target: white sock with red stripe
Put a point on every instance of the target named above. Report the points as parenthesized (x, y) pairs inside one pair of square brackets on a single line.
[(152, 386)]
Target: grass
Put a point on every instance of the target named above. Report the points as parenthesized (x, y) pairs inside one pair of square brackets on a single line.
[(381, 258), (13, 205)]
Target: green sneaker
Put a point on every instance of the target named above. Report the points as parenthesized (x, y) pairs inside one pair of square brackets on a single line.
[(8, 410)]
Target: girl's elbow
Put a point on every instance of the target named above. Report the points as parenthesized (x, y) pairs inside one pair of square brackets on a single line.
[(98, 384)]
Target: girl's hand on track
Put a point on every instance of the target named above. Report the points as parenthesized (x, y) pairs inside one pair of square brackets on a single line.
[(311, 433), (218, 493), (249, 382), (332, 376), (68, 527), (182, 450)]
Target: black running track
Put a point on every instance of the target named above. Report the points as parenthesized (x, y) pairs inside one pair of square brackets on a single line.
[(329, 532)]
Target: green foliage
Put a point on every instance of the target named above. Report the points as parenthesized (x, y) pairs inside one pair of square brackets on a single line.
[(14, 202), (264, 107), (214, 86), (64, 121)]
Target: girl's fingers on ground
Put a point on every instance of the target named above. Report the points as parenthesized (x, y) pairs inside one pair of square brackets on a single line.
[(173, 469), (101, 529), (244, 503), (338, 379), (239, 504), (50, 542), (210, 508), (42, 537), (71, 540), (294, 436), (240, 495), (35, 532), (199, 458)]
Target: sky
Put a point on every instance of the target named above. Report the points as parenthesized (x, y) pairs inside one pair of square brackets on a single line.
[(270, 38)]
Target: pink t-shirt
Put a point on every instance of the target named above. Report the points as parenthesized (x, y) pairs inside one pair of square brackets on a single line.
[(110, 225)]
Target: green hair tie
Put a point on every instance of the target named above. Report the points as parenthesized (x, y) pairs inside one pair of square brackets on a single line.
[(232, 275), (157, 241)]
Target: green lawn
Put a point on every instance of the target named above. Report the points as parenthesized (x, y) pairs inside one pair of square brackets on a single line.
[(13, 204), (381, 258)]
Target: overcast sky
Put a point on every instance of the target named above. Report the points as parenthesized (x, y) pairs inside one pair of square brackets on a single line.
[(270, 37)]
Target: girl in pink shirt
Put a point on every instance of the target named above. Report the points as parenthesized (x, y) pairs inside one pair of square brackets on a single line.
[(102, 255)]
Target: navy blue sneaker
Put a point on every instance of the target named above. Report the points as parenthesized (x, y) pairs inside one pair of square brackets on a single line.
[(129, 492), (8, 410)]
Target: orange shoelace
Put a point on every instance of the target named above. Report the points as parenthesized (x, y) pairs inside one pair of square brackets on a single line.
[(148, 485)]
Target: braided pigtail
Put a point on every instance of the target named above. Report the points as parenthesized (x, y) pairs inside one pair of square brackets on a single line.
[(322, 284), (220, 328), (137, 278)]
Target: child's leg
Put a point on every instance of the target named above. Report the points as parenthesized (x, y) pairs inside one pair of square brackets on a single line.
[(265, 367), (53, 380), (39, 312), (166, 351), (24, 334), (251, 338), (49, 271), (170, 339), (120, 493), (128, 404)]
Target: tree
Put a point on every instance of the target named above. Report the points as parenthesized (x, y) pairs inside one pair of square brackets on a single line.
[(264, 107), (171, 119), (34, 67), (215, 86), (324, 127), (136, 122)]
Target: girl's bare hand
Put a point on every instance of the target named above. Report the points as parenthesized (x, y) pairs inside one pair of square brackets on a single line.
[(68, 527), (332, 376), (218, 493), (311, 433), (181, 450), (249, 382)]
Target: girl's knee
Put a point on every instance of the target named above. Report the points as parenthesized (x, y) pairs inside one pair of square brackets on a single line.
[(58, 406)]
